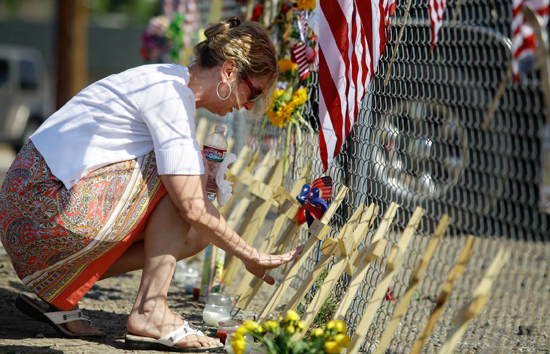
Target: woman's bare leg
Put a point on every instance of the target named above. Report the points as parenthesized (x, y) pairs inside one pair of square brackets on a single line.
[(134, 257), (166, 238)]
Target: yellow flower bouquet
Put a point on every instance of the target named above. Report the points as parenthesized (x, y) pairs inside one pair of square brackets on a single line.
[(286, 107), (278, 337)]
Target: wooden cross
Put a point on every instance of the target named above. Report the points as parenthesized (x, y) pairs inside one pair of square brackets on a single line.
[(364, 259), (288, 210), (319, 231), (290, 233), (474, 307), (331, 248), (242, 184), (452, 279), (340, 266), (238, 166), (393, 265), (413, 285), (254, 219)]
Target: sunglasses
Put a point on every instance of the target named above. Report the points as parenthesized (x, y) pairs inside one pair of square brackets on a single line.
[(255, 92)]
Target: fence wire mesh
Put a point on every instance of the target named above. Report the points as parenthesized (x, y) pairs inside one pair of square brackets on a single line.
[(418, 142)]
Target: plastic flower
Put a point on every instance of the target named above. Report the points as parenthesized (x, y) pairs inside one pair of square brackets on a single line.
[(307, 4), (340, 326), (271, 326), (330, 347), (287, 65), (318, 332), (238, 343), (292, 315), (342, 340)]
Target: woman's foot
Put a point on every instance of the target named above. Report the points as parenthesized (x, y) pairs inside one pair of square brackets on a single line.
[(72, 323), (81, 328), (158, 322)]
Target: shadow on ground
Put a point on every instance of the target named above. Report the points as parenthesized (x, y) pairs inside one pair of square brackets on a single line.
[(17, 349), (16, 326)]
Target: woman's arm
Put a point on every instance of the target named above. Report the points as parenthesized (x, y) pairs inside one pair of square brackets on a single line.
[(189, 194)]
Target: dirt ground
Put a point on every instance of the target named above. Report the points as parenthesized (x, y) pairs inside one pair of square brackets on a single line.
[(515, 319), (107, 303)]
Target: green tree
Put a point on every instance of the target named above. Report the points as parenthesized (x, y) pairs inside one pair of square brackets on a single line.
[(139, 11)]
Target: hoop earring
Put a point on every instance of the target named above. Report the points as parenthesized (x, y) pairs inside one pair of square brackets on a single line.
[(218, 91)]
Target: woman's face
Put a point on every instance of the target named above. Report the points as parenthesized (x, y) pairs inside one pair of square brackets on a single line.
[(243, 95)]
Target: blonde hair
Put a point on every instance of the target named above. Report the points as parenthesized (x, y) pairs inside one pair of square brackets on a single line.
[(249, 45)]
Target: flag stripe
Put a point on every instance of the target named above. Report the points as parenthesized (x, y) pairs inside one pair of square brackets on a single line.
[(331, 113), (352, 39), (524, 42), (437, 9)]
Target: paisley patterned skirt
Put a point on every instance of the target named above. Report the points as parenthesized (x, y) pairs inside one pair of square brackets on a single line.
[(61, 241)]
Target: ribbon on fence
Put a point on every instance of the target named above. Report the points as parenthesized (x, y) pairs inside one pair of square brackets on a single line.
[(313, 200)]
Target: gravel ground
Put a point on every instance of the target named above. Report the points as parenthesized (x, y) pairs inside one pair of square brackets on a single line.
[(515, 320), (107, 303)]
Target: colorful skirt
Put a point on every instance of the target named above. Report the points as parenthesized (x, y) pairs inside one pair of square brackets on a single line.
[(61, 241)]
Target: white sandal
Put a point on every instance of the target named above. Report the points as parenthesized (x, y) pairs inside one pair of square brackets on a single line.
[(167, 342), (56, 319)]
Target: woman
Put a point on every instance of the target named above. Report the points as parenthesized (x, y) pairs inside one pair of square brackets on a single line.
[(115, 181)]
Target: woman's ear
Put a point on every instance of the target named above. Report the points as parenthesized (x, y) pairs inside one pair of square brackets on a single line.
[(229, 70)]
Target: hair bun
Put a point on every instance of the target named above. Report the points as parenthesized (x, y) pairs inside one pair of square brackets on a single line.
[(221, 27), (232, 21)]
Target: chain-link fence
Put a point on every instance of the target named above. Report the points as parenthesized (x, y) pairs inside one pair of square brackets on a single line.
[(418, 142)]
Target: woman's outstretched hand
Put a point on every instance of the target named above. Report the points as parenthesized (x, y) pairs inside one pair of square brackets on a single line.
[(261, 262)]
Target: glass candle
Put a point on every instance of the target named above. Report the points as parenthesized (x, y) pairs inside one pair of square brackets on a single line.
[(213, 314), (228, 326), (249, 343), (217, 308)]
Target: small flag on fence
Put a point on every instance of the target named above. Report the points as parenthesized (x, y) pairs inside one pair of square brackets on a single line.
[(302, 25), (352, 37), (299, 51), (524, 43), (315, 64), (437, 9)]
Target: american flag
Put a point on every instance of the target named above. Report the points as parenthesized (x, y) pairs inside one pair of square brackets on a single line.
[(302, 25), (524, 43), (352, 37), (437, 8), (299, 51)]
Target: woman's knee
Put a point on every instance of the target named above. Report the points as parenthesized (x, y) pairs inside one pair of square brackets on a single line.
[(194, 243)]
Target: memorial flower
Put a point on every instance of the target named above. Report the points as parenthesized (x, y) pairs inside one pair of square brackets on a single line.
[(281, 336), (307, 4)]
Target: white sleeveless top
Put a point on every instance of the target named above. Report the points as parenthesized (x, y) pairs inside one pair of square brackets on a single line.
[(123, 117)]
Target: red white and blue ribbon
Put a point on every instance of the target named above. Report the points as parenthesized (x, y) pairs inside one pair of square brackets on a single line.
[(313, 200)]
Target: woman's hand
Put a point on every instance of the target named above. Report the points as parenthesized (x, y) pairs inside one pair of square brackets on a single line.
[(260, 262)]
